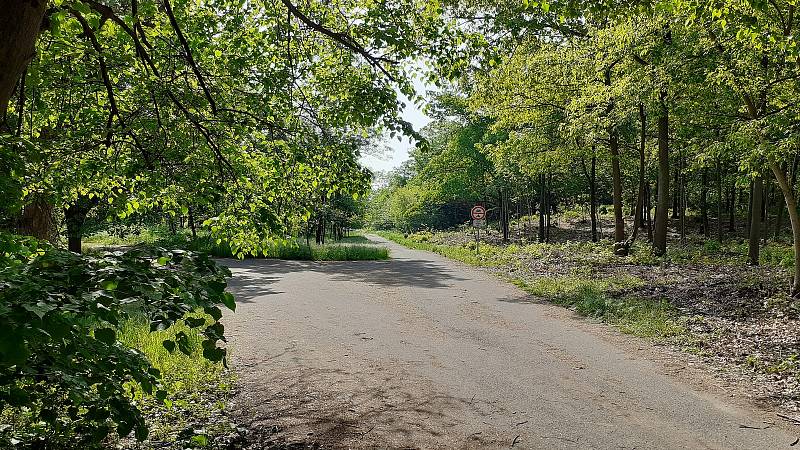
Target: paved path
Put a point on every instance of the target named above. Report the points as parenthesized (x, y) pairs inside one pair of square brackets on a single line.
[(423, 352)]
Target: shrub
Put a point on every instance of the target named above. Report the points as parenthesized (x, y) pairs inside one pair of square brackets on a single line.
[(63, 369)]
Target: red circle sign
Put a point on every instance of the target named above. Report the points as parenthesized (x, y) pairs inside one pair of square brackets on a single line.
[(478, 212)]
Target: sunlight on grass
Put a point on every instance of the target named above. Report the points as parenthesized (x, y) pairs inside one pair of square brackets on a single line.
[(581, 290)]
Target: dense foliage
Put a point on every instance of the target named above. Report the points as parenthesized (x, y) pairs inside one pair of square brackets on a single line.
[(682, 115), (63, 370)]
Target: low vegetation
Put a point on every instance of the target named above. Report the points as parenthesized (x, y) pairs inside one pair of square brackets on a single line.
[(700, 298), (346, 248), (67, 377)]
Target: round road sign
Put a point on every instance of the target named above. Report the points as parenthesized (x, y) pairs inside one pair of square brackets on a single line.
[(478, 212)]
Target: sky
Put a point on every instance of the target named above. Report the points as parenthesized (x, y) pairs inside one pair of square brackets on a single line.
[(397, 151)]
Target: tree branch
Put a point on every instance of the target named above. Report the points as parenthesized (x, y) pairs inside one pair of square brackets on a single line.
[(189, 56), (344, 39)]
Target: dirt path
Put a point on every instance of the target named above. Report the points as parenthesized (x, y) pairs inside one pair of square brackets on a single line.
[(423, 352)]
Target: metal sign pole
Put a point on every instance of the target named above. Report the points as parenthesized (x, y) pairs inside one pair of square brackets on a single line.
[(477, 240)]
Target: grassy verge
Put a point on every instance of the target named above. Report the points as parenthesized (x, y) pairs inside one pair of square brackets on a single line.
[(194, 413), (352, 248), (588, 295)]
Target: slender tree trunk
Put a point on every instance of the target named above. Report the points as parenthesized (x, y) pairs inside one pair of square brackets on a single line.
[(504, 214), (549, 208), (794, 218), (769, 198), (682, 203), (662, 202), (755, 221), (704, 225), (719, 202), (620, 248), (649, 208), (676, 199), (639, 208), (542, 207), (749, 210), (192, 224), (732, 210), (593, 195), (20, 24)]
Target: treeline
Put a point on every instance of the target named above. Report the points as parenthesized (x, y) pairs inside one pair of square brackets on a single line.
[(682, 115)]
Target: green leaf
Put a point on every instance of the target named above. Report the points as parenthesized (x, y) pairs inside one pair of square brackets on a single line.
[(169, 345), (109, 285), (183, 343), (105, 335), (229, 301)]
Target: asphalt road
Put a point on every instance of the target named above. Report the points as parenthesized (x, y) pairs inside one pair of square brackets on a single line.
[(423, 352)]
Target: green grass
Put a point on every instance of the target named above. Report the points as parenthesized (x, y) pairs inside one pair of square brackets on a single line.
[(299, 251), (197, 388), (581, 291), (351, 248)]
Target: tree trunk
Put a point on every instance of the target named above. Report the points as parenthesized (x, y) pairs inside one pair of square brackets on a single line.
[(75, 218), (20, 24), (542, 206), (504, 214), (769, 196), (682, 197), (37, 220), (192, 224), (639, 209), (662, 201), (649, 217), (732, 210), (794, 218), (549, 208), (719, 202), (593, 195), (755, 221), (676, 199), (704, 225), (620, 248)]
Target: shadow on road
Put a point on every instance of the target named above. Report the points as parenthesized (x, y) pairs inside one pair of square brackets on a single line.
[(357, 413), (254, 277)]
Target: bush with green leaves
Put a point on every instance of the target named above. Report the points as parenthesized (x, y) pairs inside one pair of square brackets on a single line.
[(65, 379)]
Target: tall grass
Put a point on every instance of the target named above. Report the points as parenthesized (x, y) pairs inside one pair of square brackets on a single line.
[(351, 248), (197, 388), (299, 251)]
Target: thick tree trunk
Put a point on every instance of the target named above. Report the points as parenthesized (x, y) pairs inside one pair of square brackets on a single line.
[(620, 249), (662, 201), (37, 220), (20, 24), (755, 221), (75, 218), (794, 218)]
